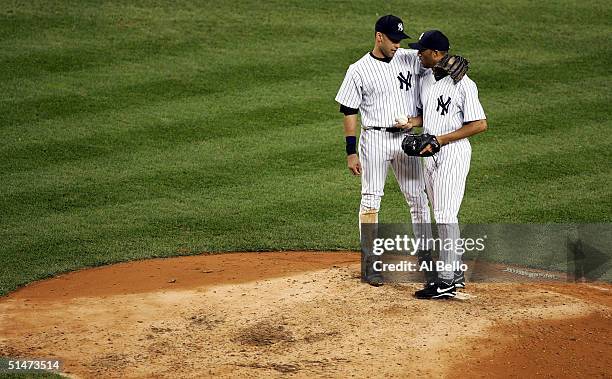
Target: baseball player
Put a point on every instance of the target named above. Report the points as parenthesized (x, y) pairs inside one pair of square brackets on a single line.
[(451, 114), (381, 86)]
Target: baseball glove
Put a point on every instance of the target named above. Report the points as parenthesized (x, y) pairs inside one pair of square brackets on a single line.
[(413, 144), (453, 65)]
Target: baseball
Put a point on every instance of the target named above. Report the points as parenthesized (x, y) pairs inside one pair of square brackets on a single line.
[(402, 120)]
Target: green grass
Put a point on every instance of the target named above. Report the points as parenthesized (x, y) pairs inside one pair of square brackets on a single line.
[(31, 376), (141, 129)]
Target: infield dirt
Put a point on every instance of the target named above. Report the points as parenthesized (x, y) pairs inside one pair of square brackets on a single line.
[(301, 314)]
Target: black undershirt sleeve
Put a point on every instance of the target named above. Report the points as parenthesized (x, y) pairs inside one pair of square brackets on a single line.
[(348, 111)]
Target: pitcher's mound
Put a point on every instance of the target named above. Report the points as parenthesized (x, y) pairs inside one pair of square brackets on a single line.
[(300, 314)]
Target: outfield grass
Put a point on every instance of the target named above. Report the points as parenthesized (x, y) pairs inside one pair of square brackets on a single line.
[(141, 129)]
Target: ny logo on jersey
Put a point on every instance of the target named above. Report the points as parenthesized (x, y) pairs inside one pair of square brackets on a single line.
[(443, 105), (405, 80)]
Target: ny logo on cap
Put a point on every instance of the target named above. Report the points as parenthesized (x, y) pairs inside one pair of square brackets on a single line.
[(400, 27)]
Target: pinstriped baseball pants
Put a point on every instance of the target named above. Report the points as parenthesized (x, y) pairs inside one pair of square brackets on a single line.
[(378, 150), (445, 178)]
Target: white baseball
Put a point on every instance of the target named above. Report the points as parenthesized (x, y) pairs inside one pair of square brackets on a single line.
[(402, 120)]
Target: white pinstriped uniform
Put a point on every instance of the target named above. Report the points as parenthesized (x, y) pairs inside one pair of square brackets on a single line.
[(382, 91), (446, 107)]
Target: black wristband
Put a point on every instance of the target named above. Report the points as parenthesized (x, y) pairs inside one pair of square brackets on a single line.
[(347, 110), (351, 145)]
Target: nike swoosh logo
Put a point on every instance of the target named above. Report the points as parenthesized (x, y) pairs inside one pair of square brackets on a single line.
[(443, 290)]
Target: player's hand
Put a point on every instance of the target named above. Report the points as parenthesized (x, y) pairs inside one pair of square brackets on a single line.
[(427, 149), (353, 164), (402, 122), (412, 122), (406, 126)]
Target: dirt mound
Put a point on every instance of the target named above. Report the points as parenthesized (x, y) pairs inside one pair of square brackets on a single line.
[(299, 314)]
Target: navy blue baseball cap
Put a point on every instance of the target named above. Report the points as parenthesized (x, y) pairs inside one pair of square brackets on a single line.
[(431, 39), (392, 26)]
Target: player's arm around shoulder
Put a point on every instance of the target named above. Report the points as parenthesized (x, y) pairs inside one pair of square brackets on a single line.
[(407, 56), (411, 58)]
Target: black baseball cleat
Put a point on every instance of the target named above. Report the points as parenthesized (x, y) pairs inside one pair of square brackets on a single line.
[(370, 275), (437, 290), (424, 256), (375, 280), (459, 279)]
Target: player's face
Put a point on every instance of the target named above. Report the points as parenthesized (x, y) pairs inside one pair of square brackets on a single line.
[(427, 57), (388, 46)]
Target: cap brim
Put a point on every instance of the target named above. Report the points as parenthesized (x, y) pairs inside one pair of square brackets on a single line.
[(416, 46), (397, 36)]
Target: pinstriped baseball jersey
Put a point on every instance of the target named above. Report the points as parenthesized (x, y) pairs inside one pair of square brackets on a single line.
[(447, 106), (382, 90)]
